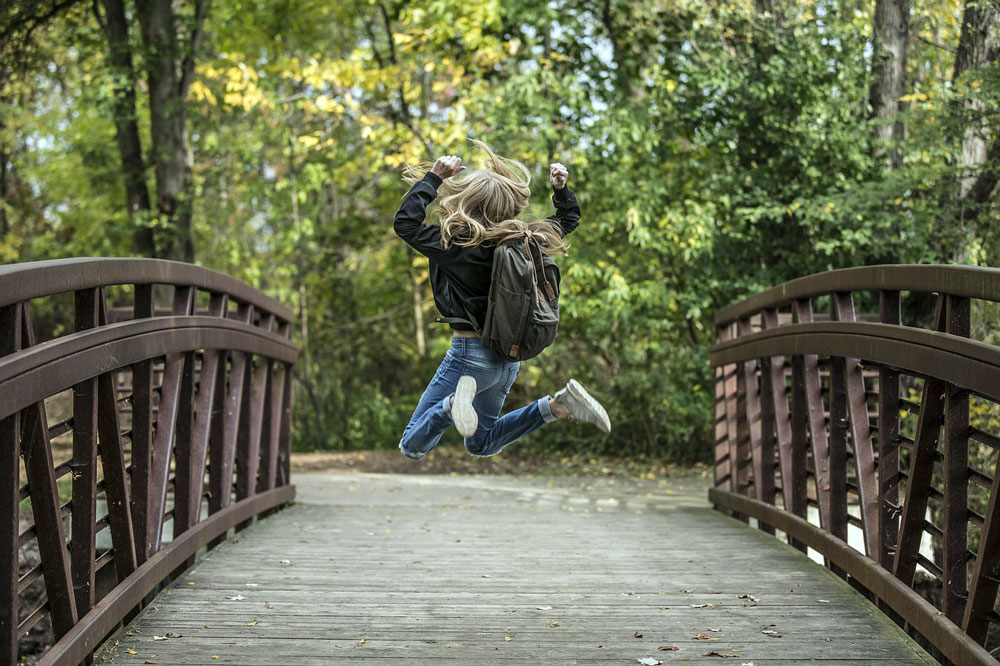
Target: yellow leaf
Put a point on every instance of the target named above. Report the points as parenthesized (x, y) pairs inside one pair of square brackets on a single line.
[(508, 638), (131, 651), (215, 656), (362, 641)]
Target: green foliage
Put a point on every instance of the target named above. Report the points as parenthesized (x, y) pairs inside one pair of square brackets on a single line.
[(715, 151)]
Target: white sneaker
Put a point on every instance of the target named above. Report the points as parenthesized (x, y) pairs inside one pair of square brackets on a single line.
[(462, 412), (581, 406)]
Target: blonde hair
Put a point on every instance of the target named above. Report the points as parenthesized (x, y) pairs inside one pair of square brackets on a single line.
[(485, 204)]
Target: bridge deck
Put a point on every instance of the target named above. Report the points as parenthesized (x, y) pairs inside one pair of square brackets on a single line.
[(480, 570)]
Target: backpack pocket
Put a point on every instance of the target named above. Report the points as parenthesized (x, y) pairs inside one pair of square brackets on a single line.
[(508, 319)]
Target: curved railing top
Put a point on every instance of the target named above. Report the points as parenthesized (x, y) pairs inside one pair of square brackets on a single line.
[(57, 276), (966, 281)]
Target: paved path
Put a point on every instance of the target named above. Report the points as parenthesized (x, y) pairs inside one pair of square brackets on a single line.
[(423, 570)]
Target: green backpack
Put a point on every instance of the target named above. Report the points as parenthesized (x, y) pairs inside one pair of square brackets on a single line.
[(522, 314)]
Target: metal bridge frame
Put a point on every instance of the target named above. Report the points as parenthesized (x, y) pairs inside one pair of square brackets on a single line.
[(807, 413), (191, 404)]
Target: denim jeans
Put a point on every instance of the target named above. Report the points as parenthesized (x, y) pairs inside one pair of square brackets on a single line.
[(494, 377)]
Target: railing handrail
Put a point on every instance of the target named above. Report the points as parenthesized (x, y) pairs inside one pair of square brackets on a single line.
[(35, 279), (967, 281), (798, 398), (55, 365)]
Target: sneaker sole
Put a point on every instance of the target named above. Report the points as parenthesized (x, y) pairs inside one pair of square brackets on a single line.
[(462, 413), (581, 394)]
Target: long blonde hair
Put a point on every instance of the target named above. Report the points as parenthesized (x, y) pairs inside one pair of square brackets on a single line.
[(488, 203)]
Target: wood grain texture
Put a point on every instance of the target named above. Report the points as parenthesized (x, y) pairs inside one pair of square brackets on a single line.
[(481, 570)]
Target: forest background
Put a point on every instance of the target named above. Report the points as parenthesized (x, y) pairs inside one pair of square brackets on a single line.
[(716, 148)]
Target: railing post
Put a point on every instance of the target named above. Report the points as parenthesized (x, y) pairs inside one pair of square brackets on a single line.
[(888, 441), (142, 434), (956, 476), (10, 491), (724, 476), (918, 481), (84, 465)]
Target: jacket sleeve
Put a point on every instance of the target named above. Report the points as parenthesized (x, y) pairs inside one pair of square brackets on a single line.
[(567, 210), (409, 221)]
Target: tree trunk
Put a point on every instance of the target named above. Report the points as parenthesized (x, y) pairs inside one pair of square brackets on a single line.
[(127, 127), (170, 65), (891, 31), (978, 47)]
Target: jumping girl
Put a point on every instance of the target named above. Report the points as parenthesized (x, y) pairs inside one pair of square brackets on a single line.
[(472, 382)]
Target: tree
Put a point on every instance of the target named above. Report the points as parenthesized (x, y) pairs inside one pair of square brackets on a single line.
[(891, 26), (116, 30), (170, 61)]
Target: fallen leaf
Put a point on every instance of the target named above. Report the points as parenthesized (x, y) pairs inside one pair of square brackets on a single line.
[(712, 629), (159, 638), (823, 601), (252, 623), (749, 597), (508, 638), (285, 562), (251, 585), (337, 645), (267, 605), (215, 656), (361, 642), (771, 633), (664, 648), (238, 597), (486, 576), (714, 653), (637, 635), (544, 607), (553, 624), (131, 651), (702, 605), (649, 661), (173, 635)]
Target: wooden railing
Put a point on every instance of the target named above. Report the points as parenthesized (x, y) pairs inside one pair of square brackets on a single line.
[(818, 420), (142, 420)]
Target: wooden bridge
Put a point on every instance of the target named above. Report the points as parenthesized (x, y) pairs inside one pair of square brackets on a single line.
[(147, 514)]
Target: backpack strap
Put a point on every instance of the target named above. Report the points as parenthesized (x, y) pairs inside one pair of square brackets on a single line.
[(471, 321)]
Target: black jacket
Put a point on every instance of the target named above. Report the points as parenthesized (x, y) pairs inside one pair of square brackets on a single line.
[(460, 276)]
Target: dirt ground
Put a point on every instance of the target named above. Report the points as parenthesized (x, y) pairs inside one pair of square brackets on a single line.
[(455, 460)]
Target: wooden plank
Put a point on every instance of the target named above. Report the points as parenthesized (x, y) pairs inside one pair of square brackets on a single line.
[(761, 454), (860, 427), (10, 482), (477, 568), (51, 533), (888, 440), (84, 465), (142, 434), (956, 476)]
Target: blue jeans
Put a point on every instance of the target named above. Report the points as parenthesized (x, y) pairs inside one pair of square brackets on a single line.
[(494, 377)]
